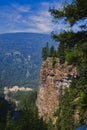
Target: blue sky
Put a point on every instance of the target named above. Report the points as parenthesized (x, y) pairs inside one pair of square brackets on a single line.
[(27, 16)]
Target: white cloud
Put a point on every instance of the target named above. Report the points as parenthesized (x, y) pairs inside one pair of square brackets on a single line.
[(21, 8), (22, 18)]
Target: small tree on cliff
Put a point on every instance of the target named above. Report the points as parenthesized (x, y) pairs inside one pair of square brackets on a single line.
[(45, 52), (52, 52)]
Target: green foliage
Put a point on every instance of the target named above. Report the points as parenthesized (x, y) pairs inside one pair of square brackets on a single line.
[(52, 52), (48, 52), (65, 112), (72, 48), (72, 56), (5, 107), (83, 99), (50, 125), (61, 53), (71, 12), (8, 122), (2, 125), (28, 119), (45, 52)]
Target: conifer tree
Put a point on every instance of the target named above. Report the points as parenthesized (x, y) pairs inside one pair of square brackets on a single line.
[(45, 52), (9, 122), (52, 51), (73, 48)]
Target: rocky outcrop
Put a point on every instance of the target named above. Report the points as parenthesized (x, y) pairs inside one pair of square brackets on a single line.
[(52, 79)]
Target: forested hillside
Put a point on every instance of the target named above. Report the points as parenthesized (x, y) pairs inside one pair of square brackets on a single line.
[(20, 58), (24, 118)]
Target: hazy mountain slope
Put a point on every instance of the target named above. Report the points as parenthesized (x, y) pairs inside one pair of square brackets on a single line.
[(20, 58)]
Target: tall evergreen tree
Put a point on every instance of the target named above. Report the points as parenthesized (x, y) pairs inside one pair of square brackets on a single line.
[(9, 124), (71, 13), (45, 52), (73, 48), (52, 51)]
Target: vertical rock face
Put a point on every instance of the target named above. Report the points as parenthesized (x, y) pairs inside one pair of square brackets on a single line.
[(52, 78)]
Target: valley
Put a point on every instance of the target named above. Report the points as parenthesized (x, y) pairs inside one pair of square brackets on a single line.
[(20, 58)]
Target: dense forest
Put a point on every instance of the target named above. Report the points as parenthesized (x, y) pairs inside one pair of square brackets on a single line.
[(73, 49), (20, 58), (24, 118)]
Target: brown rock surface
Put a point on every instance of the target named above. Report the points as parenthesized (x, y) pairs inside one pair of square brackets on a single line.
[(51, 80)]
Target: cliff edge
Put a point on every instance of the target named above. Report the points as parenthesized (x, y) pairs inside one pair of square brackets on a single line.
[(52, 79)]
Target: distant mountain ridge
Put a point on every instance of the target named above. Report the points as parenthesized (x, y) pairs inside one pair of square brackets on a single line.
[(20, 58)]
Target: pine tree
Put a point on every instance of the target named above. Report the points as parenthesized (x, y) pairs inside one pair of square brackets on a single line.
[(45, 52), (73, 48), (9, 124), (52, 51), (71, 13)]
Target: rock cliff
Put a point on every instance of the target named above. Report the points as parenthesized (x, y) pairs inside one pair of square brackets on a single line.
[(52, 79)]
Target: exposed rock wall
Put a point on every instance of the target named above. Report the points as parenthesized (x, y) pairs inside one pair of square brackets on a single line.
[(51, 81)]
